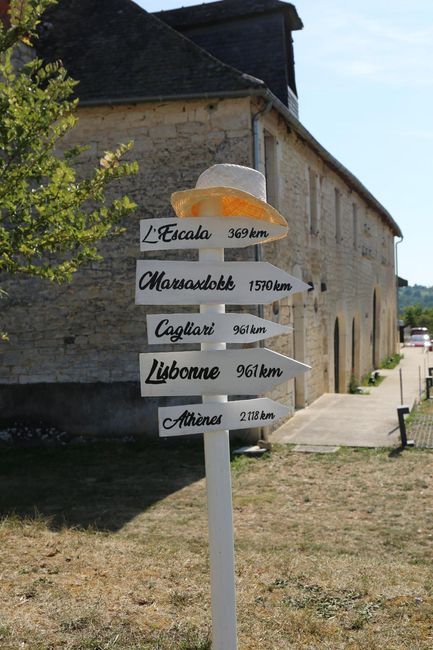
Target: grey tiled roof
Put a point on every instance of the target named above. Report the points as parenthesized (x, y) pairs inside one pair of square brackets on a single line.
[(118, 51), (251, 35), (228, 9)]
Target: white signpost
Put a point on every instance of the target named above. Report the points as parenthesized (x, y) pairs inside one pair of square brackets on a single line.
[(212, 282), (214, 371), (198, 418), (206, 232), (196, 328), (239, 372)]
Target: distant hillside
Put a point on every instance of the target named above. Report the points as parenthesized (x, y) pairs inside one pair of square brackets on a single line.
[(416, 295)]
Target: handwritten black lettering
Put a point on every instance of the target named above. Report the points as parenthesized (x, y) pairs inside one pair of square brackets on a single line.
[(160, 372), (157, 281), (191, 419), (146, 239), (178, 333), (174, 232)]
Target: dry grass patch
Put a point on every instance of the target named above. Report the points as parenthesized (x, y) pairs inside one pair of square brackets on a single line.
[(332, 551)]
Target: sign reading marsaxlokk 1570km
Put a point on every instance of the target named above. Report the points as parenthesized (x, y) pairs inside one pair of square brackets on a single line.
[(206, 232), (236, 372), (232, 283)]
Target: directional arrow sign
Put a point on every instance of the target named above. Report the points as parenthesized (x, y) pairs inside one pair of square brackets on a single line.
[(210, 328), (192, 283), (213, 416), (206, 232), (239, 372)]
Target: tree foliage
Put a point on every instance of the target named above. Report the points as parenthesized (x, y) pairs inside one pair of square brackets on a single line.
[(50, 218), (415, 295), (418, 316)]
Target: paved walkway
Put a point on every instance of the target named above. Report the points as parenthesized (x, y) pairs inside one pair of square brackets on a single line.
[(359, 420)]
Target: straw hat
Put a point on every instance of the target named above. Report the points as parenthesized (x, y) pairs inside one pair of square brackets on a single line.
[(242, 191)]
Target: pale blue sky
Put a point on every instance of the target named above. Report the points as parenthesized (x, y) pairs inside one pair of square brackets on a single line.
[(364, 72)]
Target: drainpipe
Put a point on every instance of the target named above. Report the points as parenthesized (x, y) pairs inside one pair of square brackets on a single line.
[(258, 256), (396, 281)]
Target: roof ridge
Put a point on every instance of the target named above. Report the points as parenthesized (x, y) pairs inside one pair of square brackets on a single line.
[(223, 9)]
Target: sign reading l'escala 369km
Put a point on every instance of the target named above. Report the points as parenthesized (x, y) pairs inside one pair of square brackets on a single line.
[(192, 283), (238, 372), (206, 232)]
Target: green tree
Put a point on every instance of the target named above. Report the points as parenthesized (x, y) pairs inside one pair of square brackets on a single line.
[(412, 315), (418, 316), (50, 219)]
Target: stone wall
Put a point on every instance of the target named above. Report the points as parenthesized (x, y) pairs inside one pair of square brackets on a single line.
[(346, 263), (75, 347), (90, 332)]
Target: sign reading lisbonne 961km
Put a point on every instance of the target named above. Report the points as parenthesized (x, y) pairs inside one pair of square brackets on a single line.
[(239, 372)]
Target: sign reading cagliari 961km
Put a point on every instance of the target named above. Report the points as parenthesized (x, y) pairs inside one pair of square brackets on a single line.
[(211, 328)]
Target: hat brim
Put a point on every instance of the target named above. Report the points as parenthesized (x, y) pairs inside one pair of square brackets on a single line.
[(234, 203)]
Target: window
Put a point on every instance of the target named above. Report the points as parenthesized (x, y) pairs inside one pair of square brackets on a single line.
[(314, 203), (355, 224), (271, 168), (337, 199)]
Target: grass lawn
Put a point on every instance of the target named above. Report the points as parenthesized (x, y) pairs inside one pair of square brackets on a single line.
[(105, 548)]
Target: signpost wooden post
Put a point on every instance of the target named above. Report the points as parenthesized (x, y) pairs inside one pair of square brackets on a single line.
[(219, 491), (214, 371)]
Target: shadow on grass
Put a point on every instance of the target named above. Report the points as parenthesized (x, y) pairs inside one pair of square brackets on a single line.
[(102, 485), (395, 453)]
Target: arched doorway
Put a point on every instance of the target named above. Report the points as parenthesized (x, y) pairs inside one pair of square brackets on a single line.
[(373, 346), (336, 356), (375, 335), (355, 356)]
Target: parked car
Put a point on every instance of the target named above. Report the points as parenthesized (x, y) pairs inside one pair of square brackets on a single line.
[(420, 341), (418, 330)]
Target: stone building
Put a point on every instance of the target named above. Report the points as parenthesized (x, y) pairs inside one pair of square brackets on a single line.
[(176, 85)]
